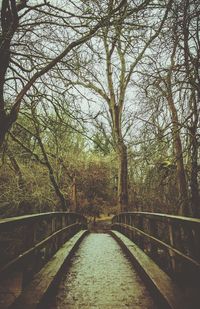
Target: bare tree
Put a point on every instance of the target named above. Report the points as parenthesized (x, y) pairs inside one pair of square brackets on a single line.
[(116, 58), (172, 82), (17, 14)]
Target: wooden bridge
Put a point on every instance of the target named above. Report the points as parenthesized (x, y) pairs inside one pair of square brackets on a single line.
[(145, 260)]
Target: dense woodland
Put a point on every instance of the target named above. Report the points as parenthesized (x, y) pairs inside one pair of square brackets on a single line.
[(99, 106)]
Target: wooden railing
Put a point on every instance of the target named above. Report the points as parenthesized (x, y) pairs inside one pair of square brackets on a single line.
[(173, 242), (28, 242)]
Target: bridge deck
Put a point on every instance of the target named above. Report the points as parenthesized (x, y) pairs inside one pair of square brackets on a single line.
[(101, 276)]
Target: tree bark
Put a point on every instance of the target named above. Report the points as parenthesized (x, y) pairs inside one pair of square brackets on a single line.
[(183, 207), (180, 170), (74, 195), (17, 169), (63, 201), (59, 194), (121, 150), (122, 177), (193, 74), (195, 198), (6, 122), (9, 24)]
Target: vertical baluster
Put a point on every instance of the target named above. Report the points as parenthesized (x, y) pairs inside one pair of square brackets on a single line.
[(117, 221), (171, 253), (137, 235), (53, 224), (129, 223), (153, 232), (61, 226), (30, 240), (63, 220), (191, 245), (53, 229), (67, 219), (113, 222), (140, 226), (196, 233), (49, 229), (132, 232), (67, 224), (125, 222)]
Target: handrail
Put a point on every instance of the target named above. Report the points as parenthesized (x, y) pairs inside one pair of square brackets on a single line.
[(162, 244), (172, 241), (33, 217), (162, 216), (35, 237), (19, 259)]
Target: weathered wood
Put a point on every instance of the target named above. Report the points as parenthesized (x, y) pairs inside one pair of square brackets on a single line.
[(153, 246), (173, 241), (171, 253), (37, 290), (169, 294), (162, 244), (31, 242), (25, 255), (161, 216), (7, 222), (23, 232)]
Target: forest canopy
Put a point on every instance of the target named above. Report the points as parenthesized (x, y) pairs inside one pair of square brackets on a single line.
[(99, 106)]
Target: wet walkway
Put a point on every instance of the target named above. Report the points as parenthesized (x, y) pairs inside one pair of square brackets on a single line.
[(101, 277)]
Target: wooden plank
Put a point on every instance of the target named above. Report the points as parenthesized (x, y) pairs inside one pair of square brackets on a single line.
[(39, 287), (170, 296), (186, 258), (7, 222), (160, 216), (23, 256)]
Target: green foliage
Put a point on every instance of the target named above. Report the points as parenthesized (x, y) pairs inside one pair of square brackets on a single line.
[(68, 155), (36, 195)]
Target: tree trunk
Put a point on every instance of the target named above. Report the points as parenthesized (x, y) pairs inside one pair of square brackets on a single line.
[(63, 201), (6, 122), (122, 191), (180, 170), (21, 181), (121, 149), (74, 195), (195, 200), (3, 132), (4, 126), (181, 178)]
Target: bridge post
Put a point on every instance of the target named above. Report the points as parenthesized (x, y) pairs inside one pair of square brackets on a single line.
[(196, 245), (171, 241), (125, 222), (30, 240), (53, 229), (53, 224), (129, 232), (193, 241), (153, 229), (120, 221), (140, 226)]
